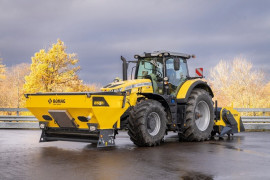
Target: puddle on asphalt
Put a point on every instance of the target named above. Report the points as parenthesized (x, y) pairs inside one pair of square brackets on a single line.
[(196, 176), (231, 147), (226, 146)]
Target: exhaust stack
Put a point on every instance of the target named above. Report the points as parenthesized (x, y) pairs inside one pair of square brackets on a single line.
[(125, 66)]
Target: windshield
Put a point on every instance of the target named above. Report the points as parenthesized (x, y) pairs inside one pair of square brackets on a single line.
[(150, 66)]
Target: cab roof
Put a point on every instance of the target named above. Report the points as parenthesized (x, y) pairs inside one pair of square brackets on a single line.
[(162, 53)]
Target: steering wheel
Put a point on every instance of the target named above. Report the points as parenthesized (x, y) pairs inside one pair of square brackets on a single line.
[(158, 74)]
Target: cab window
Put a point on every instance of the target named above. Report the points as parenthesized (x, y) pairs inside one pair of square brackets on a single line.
[(176, 78), (152, 68)]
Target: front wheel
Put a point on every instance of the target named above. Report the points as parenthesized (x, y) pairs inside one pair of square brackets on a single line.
[(199, 116), (147, 123)]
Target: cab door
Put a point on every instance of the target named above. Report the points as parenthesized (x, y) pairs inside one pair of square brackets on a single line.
[(176, 77)]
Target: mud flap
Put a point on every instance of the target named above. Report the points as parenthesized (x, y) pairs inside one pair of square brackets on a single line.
[(106, 138)]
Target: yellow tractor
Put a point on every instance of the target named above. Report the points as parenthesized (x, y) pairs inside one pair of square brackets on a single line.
[(161, 97)]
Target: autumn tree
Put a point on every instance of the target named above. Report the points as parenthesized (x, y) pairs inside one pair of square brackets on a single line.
[(89, 87), (239, 84), (267, 89), (53, 71), (2, 69), (11, 88)]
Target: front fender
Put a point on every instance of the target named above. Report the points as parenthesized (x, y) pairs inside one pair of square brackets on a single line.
[(157, 97)]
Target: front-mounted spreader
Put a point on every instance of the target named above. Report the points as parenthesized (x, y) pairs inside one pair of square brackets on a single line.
[(84, 117)]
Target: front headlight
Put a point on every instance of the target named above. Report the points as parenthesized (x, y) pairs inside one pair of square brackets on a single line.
[(42, 126)]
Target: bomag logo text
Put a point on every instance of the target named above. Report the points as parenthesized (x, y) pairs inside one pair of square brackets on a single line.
[(57, 101)]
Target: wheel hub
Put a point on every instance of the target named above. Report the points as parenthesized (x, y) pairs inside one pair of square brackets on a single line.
[(153, 123), (202, 115)]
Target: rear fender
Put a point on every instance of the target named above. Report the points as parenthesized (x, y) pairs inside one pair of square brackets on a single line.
[(186, 89)]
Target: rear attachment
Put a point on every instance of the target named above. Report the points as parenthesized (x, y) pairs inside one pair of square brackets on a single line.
[(228, 121)]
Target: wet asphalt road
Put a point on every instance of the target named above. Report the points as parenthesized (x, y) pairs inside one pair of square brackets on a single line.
[(246, 156)]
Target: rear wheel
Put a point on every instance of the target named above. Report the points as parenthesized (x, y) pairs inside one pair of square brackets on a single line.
[(147, 123), (199, 116)]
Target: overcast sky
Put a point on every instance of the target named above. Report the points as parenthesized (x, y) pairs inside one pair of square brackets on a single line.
[(100, 31)]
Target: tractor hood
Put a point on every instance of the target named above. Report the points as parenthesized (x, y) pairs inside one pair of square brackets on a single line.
[(129, 85)]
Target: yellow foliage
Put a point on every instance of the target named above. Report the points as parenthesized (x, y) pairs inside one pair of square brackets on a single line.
[(237, 83), (90, 87), (53, 71), (267, 89), (2, 70), (11, 88)]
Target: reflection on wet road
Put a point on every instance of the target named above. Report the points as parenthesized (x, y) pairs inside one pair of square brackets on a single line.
[(245, 156)]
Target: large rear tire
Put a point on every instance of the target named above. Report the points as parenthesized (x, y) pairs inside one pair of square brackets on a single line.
[(199, 116), (147, 123)]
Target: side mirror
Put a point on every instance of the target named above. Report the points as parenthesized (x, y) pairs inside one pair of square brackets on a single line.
[(176, 64)]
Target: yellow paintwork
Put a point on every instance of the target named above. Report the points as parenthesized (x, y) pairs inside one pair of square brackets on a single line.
[(79, 105), (235, 114), (127, 85), (185, 87)]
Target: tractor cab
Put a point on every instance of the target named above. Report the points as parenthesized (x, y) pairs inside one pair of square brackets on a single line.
[(166, 70)]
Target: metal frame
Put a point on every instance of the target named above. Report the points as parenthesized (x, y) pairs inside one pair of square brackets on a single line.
[(167, 53), (89, 94)]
